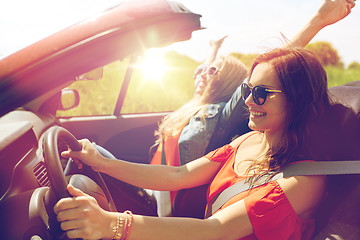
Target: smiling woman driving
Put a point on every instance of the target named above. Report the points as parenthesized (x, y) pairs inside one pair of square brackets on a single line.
[(280, 209)]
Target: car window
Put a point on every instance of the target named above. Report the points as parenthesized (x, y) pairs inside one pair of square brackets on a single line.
[(98, 97), (156, 85)]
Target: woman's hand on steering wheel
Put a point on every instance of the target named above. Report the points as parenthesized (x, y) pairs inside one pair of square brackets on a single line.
[(82, 217), (88, 155)]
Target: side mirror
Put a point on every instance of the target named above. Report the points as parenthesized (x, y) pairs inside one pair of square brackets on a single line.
[(69, 99), (95, 74)]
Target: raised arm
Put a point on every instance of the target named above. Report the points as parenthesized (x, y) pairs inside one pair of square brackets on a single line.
[(215, 45), (330, 12)]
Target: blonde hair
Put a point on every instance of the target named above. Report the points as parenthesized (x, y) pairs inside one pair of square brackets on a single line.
[(219, 89)]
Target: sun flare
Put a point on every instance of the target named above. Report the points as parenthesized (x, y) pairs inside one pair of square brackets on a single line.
[(152, 65)]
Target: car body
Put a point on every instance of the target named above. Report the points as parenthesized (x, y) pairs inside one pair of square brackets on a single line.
[(32, 83), (35, 82)]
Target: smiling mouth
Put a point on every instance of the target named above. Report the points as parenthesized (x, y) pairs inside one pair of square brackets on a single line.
[(257, 114)]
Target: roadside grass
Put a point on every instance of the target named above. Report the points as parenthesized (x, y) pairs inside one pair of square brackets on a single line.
[(338, 76)]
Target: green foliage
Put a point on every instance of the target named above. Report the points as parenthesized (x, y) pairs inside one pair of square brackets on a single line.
[(354, 65), (327, 54), (167, 94), (99, 97), (338, 76)]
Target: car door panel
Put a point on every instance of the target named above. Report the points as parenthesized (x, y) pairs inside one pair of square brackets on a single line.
[(127, 137)]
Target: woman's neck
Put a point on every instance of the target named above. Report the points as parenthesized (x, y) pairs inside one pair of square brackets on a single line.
[(271, 138)]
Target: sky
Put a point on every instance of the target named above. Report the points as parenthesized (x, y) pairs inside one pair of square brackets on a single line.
[(251, 26)]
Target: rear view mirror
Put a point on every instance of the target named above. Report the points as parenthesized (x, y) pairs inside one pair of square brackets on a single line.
[(95, 74), (69, 99)]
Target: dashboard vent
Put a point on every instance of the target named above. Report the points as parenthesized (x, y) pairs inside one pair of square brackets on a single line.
[(41, 174)]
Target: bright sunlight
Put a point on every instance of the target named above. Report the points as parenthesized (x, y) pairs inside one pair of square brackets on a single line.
[(152, 65)]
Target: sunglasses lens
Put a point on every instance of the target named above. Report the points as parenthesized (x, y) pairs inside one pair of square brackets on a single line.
[(211, 70), (259, 95), (245, 91)]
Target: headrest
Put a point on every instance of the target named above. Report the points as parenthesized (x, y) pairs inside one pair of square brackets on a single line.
[(348, 96), (336, 135)]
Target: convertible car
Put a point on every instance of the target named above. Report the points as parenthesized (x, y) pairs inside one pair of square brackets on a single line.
[(85, 82)]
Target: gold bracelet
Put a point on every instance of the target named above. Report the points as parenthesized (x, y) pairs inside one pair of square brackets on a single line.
[(128, 223), (119, 227), (123, 237)]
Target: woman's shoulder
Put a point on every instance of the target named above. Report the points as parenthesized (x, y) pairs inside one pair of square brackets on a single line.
[(239, 140), (213, 109), (303, 192)]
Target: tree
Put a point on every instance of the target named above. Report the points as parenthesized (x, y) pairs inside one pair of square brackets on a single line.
[(327, 54), (354, 65)]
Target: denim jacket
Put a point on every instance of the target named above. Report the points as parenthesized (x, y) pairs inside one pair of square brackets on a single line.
[(195, 137)]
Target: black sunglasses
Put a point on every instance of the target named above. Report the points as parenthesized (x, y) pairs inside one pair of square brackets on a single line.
[(259, 93)]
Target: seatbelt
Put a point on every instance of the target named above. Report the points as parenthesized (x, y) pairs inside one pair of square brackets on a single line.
[(305, 168)]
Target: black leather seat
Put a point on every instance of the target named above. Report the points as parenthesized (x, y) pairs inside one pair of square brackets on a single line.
[(338, 217)]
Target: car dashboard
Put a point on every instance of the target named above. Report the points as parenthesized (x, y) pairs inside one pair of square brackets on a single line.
[(21, 158), (26, 202)]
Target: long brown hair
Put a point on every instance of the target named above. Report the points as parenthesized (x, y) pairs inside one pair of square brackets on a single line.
[(219, 89), (304, 82)]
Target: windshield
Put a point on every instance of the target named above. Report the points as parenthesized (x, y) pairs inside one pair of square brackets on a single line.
[(37, 19)]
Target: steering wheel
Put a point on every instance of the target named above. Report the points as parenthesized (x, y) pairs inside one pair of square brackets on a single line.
[(58, 183)]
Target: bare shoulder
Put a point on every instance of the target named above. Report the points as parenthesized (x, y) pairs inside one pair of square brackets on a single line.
[(304, 193)]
